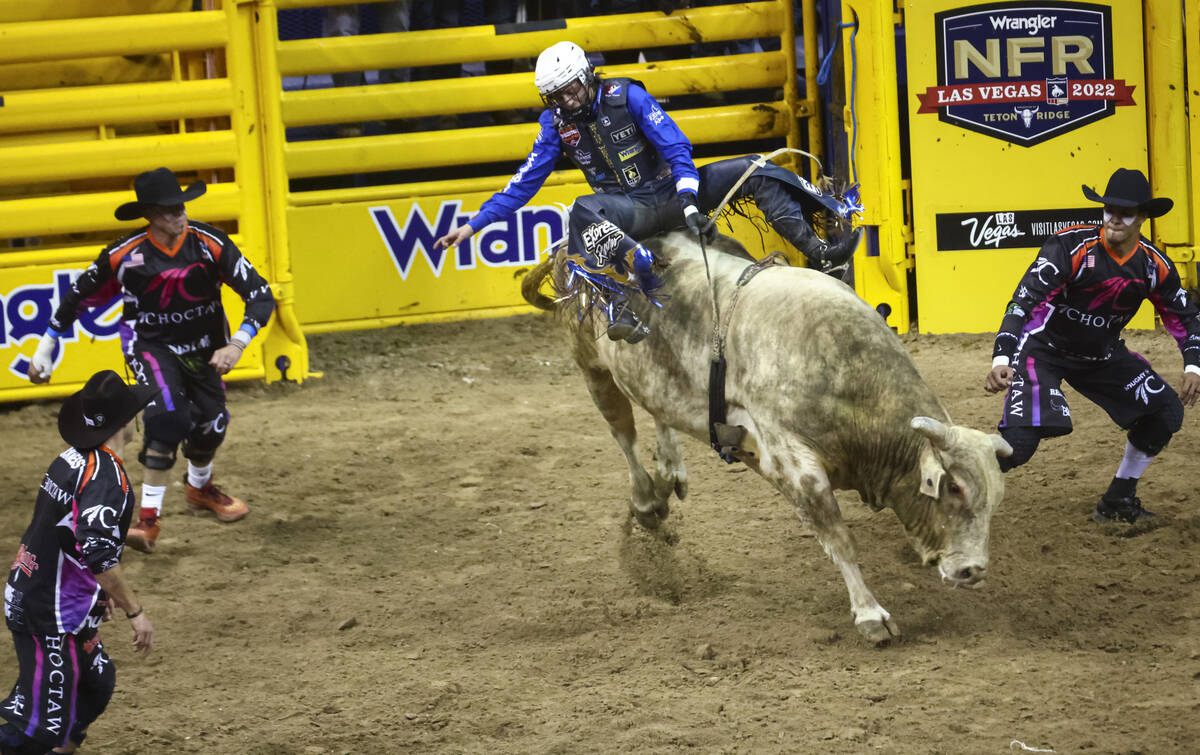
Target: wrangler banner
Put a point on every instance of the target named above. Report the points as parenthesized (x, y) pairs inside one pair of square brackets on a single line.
[(388, 271)]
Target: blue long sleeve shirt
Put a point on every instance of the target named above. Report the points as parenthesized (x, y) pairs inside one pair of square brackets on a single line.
[(654, 123)]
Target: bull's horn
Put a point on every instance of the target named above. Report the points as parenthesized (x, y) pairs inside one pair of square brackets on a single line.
[(1003, 449), (937, 432)]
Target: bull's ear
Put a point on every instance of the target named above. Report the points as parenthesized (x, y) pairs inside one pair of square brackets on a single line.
[(937, 432), (932, 471), (1003, 449)]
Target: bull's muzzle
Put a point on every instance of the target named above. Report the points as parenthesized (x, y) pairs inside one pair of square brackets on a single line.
[(962, 575)]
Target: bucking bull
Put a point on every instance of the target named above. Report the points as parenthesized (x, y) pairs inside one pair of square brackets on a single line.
[(828, 397)]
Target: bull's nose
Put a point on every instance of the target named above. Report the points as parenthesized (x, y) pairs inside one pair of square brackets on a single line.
[(971, 574)]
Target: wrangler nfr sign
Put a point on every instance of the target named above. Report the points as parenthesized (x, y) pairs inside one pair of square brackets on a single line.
[(1025, 72), (995, 85)]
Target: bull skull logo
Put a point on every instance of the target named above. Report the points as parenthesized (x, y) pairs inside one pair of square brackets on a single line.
[(1026, 114)]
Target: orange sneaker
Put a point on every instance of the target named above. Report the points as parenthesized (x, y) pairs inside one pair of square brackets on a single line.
[(143, 535), (211, 498)]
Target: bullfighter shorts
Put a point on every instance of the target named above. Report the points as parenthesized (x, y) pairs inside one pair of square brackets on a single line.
[(64, 684), (1124, 386), (190, 404)]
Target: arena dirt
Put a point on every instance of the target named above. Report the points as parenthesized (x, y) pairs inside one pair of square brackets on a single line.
[(438, 559)]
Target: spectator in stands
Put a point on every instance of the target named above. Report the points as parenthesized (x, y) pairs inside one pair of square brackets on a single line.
[(394, 17), (343, 21), (435, 14)]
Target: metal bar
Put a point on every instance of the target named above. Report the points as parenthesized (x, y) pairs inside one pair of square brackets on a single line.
[(288, 4), (95, 72), (514, 91), (877, 152), (285, 343), (506, 143), (451, 187), (633, 31), (787, 43), (116, 157), (389, 192), (77, 213), (54, 109), (1192, 22), (340, 326), (1165, 69), (81, 256), (12, 11), (812, 94), (119, 35)]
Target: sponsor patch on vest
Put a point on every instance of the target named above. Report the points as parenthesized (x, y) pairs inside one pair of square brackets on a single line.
[(632, 176), (569, 134), (611, 90), (624, 134), (625, 154), (605, 121)]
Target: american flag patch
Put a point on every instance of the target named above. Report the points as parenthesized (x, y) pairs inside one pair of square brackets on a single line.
[(1090, 260), (134, 259)]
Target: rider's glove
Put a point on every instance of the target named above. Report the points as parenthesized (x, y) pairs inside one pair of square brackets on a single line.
[(696, 221)]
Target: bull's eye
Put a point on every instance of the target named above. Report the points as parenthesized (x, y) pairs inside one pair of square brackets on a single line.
[(954, 488)]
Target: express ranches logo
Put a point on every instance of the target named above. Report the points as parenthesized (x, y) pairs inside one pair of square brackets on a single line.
[(1025, 72)]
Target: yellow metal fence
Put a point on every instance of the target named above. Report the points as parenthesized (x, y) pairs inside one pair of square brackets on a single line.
[(381, 235), (186, 96), (94, 95)]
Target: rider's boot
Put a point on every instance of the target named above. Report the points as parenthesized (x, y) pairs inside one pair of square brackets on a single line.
[(624, 324), (831, 259), (786, 216)]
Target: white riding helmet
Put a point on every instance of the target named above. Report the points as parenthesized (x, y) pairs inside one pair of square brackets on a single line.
[(559, 65)]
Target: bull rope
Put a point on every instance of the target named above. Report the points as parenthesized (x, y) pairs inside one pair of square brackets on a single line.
[(718, 345), (725, 446), (716, 369), (755, 165)]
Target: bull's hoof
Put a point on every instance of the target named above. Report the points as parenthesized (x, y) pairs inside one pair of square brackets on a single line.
[(649, 520), (662, 508), (681, 489), (878, 632)]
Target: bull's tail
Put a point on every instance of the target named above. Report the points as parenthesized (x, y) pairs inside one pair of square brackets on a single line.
[(531, 284)]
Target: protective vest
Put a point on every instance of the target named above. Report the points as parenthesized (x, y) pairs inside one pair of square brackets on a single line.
[(611, 150)]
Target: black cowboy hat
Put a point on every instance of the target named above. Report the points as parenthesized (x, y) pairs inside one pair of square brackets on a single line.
[(157, 188), (1129, 188), (104, 405)]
